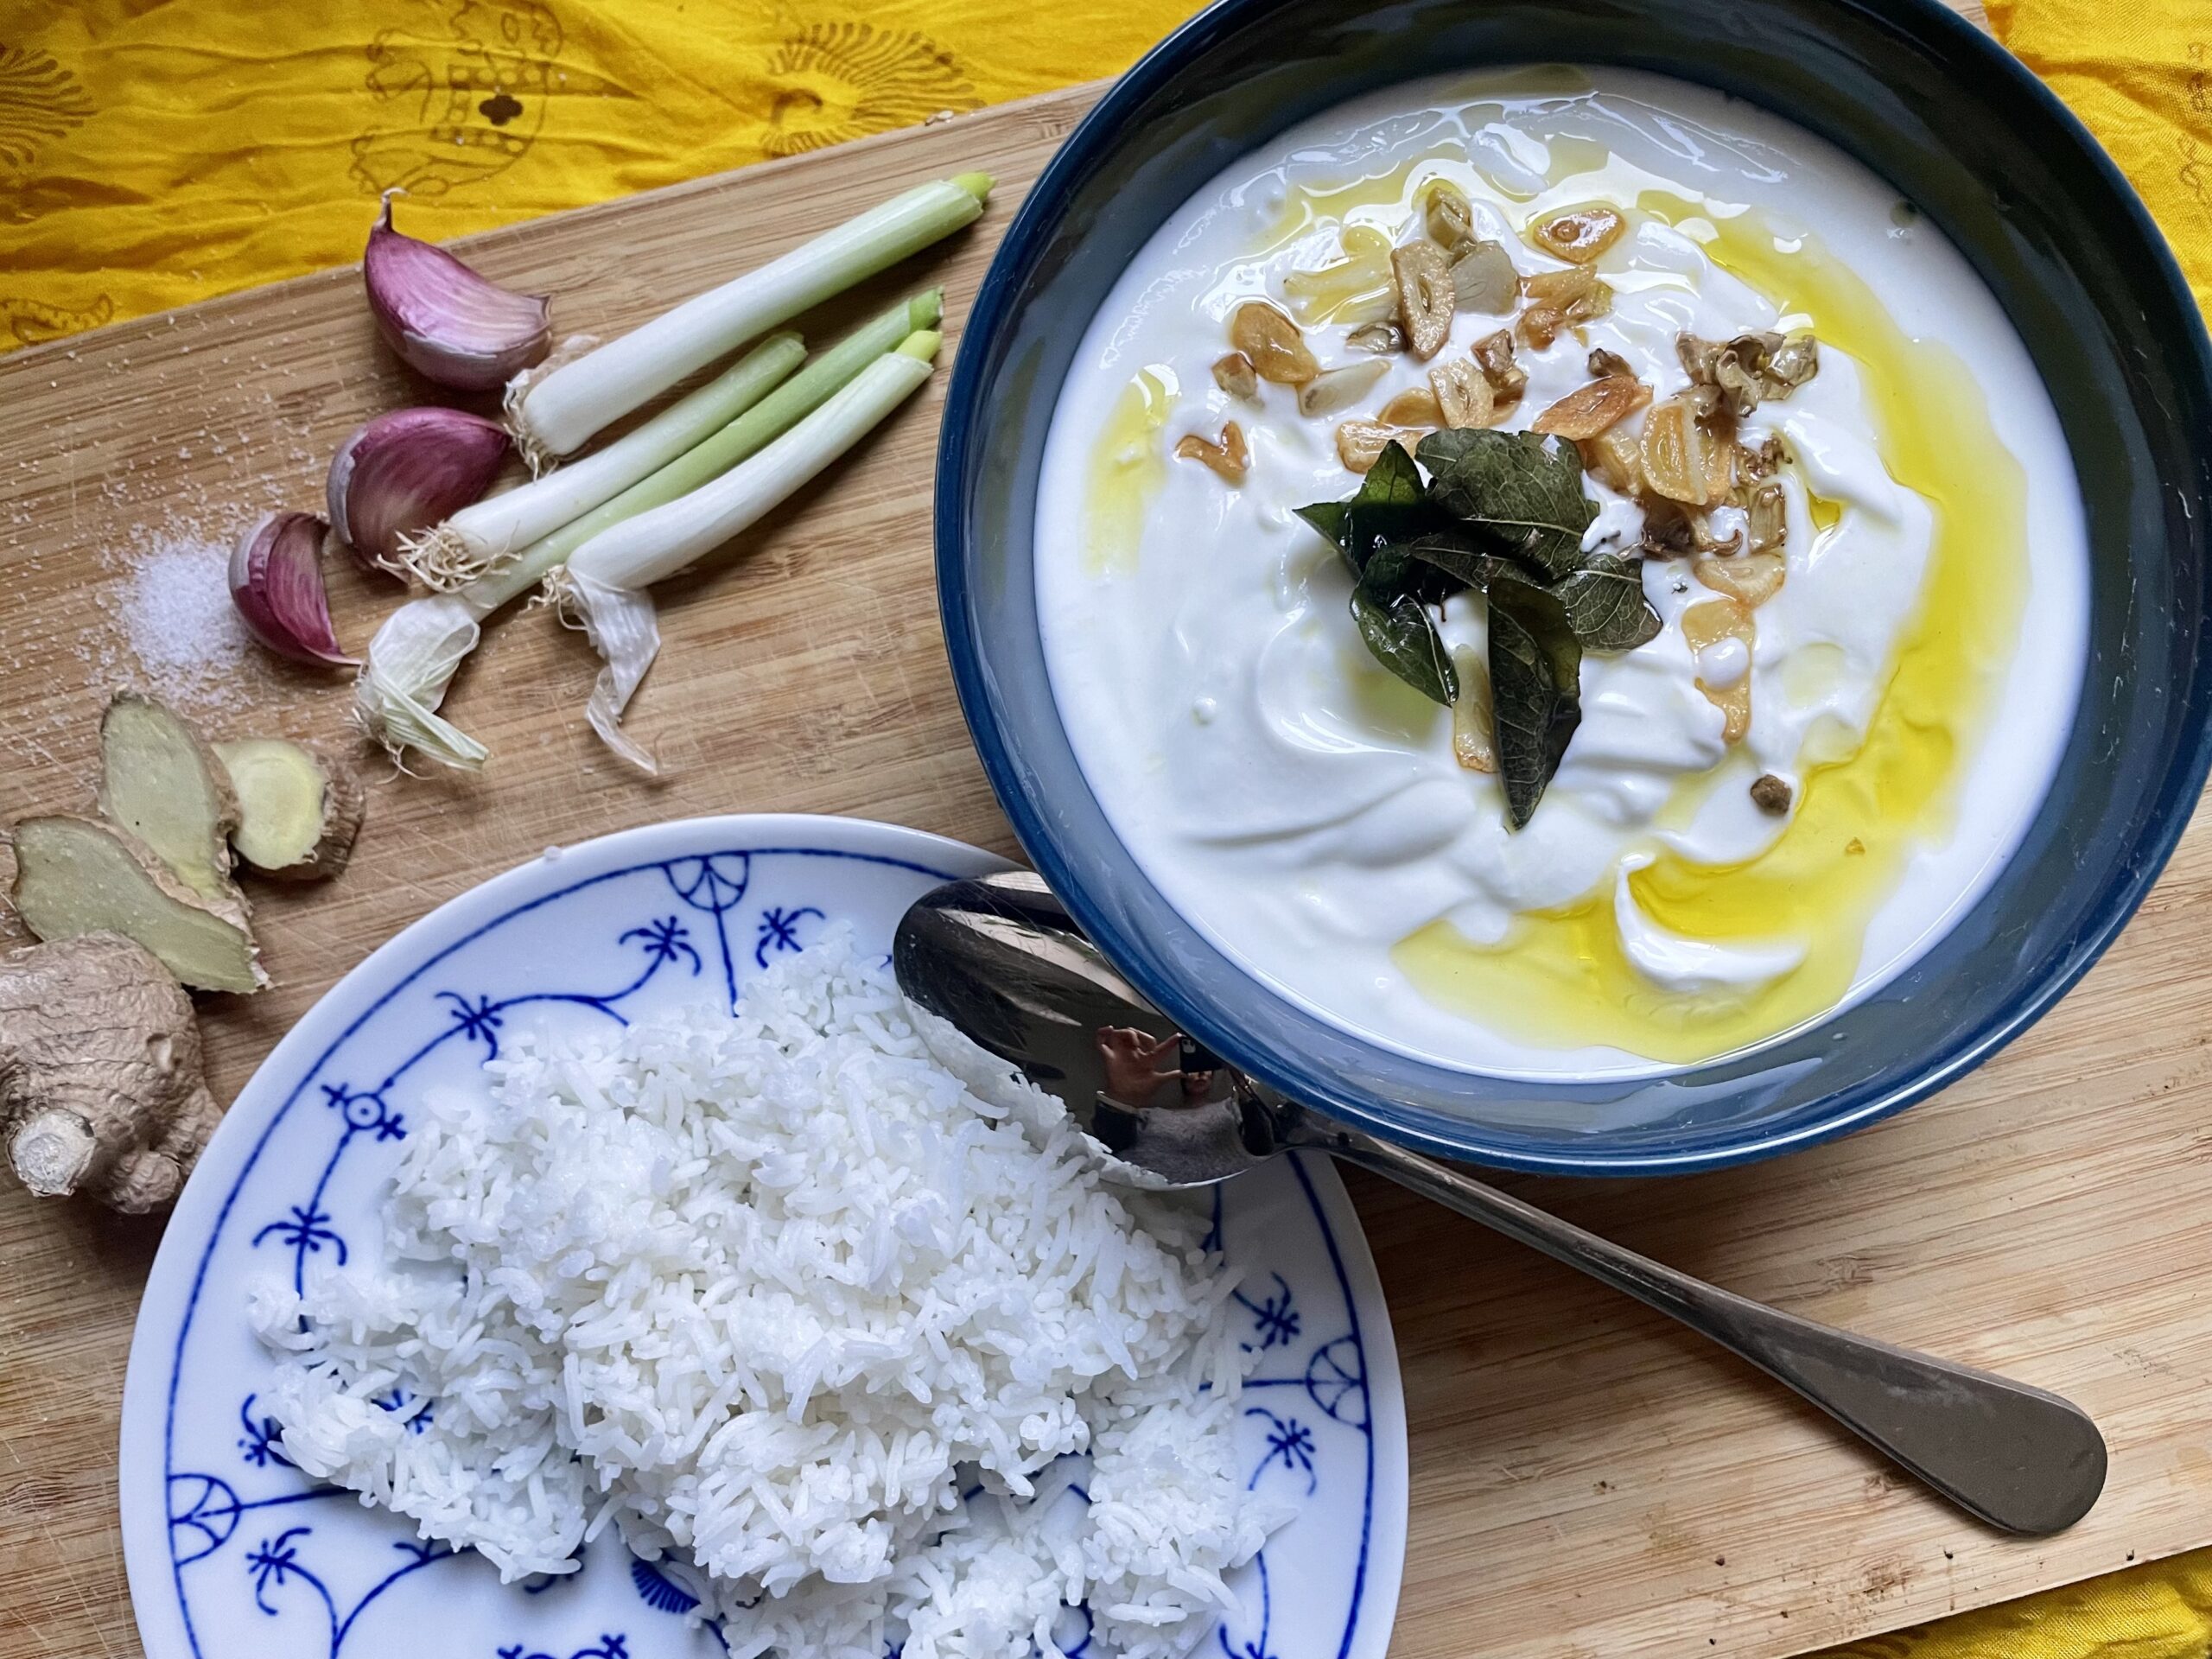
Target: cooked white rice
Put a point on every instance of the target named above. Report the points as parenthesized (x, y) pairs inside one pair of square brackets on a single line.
[(769, 1292)]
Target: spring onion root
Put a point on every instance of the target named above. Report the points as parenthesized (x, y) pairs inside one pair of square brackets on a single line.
[(605, 584), (554, 410), (414, 655), (479, 537)]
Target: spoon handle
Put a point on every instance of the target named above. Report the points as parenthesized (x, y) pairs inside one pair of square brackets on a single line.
[(2015, 1457)]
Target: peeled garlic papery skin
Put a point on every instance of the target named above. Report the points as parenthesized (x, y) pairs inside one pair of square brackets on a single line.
[(277, 585), (448, 323), (408, 470)]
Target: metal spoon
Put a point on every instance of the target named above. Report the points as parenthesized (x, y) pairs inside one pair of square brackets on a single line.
[(1000, 960)]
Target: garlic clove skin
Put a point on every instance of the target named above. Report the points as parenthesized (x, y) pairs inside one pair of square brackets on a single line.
[(448, 323), (277, 585), (406, 471)]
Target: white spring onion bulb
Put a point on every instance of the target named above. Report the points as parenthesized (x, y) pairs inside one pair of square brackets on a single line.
[(554, 408), (478, 538), (604, 585), (414, 654)]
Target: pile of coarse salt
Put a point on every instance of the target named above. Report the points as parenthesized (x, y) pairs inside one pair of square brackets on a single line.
[(172, 603)]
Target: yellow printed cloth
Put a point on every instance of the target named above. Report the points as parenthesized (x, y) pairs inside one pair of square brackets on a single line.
[(2160, 1611), (155, 154), (2139, 73)]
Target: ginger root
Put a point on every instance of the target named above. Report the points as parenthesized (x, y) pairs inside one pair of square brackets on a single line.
[(160, 781), (101, 1087), (76, 875), (299, 810)]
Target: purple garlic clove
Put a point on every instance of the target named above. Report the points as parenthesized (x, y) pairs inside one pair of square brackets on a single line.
[(276, 584), (406, 471), (447, 322)]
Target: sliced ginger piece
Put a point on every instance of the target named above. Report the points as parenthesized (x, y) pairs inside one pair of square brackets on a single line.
[(298, 810), (76, 875), (160, 781), (100, 1088)]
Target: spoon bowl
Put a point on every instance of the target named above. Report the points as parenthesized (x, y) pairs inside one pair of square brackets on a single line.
[(1000, 961)]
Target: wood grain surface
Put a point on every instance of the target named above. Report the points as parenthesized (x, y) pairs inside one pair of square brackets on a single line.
[(1587, 1479)]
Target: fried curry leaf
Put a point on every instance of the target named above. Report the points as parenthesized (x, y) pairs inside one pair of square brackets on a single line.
[(1402, 635), (1523, 489), (1460, 556), (1384, 574), (1398, 568), (1503, 513), (1605, 603), (1536, 670), (1390, 507)]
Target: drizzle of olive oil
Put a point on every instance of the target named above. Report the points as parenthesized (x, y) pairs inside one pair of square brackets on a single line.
[(1562, 977), (1129, 464), (1381, 200), (1529, 80), (1570, 155), (1354, 289)]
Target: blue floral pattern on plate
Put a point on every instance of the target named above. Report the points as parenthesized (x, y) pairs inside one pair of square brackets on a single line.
[(232, 1550)]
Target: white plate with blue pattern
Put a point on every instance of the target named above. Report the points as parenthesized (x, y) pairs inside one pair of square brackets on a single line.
[(232, 1551)]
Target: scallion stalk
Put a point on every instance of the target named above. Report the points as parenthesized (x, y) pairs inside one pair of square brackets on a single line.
[(413, 657), (555, 410), (478, 538), (604, 585)]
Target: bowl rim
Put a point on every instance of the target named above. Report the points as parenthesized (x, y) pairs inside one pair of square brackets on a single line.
[(2169, 811)]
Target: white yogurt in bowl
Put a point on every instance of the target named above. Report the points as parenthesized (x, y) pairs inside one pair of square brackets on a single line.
[(1899, 699)]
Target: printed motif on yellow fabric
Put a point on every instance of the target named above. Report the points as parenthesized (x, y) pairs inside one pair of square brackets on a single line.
[(27, 322), (463, 92), (40, 101), (2140, 78), (2193, 175), (2196, 175), (157, 152), (835, 81)]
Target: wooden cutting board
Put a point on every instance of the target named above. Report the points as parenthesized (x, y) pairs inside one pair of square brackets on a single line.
[(1587, 1479)]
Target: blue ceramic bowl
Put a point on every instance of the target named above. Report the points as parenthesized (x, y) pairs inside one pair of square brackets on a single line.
[(1958, 126)]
